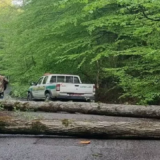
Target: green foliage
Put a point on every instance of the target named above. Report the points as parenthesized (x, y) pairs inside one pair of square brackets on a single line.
[(113, 43)]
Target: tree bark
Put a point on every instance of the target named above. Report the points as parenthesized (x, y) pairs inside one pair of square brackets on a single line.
[(13, 124), (85, 108)]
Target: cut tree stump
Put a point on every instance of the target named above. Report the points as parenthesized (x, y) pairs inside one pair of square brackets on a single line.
[(18, 124), (85, 108)]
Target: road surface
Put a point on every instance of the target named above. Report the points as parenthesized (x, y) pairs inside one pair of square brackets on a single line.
[(31, 148)]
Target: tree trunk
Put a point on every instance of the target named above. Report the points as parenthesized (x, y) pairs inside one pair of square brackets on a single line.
[(86, 108), (13, 124)]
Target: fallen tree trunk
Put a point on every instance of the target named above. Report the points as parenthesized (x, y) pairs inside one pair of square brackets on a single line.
[(86, 108), (12, 124)]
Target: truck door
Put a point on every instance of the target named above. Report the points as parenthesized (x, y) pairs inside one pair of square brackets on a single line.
[(35, 88), (42, 87)]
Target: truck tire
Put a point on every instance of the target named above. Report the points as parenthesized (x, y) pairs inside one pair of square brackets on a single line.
[(1, 95), (29, 96), (48, 96)]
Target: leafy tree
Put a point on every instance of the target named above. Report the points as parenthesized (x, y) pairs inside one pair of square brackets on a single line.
[(6, 14), (112, 43)]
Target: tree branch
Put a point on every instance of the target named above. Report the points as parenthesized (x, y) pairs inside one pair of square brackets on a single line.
[(146, 16)]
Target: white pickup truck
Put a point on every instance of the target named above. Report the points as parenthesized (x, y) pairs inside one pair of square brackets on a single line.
[(61, 86)]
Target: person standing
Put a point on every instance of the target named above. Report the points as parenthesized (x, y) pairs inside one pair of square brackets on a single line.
[(3, 85)]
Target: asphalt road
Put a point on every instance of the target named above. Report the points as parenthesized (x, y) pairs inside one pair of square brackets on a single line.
[(27, 148)]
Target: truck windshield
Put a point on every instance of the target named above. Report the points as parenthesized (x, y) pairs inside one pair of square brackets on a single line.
[(76, 80)]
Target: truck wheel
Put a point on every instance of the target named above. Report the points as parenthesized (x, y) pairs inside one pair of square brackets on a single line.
[(29, 96), (48, 97), (90, 100), (1, 95)]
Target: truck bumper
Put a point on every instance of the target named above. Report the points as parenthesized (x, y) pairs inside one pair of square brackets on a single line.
[(87, 98)]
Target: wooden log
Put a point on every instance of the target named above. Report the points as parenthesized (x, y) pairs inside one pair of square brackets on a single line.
[(11, 124), (86, 108)]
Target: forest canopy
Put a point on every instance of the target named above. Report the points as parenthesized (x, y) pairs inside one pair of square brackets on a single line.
[(112, 43)]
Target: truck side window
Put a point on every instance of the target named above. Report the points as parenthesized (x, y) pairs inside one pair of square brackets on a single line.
[(69, 79), (45, 80), (40, 80), (53, 79), (76, 80), (60, 79)]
